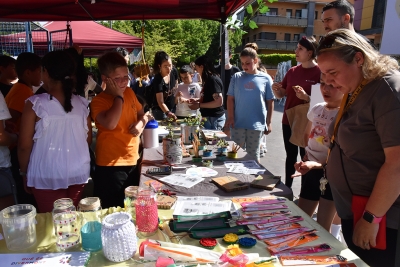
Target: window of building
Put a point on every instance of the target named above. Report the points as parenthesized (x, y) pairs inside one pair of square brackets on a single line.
[(288, 13), (316, 15), (296, 37), (267, 35), (254, 37), (298, 14), (287, 37), (272, 12)]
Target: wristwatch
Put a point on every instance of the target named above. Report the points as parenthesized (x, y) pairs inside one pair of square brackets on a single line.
[(371, 218), (22, 173)]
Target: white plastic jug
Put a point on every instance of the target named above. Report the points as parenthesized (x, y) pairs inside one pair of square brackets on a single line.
[(19, 226), (150, 134)]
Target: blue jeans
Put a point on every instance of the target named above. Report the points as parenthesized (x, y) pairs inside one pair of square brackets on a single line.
[(215, 123)]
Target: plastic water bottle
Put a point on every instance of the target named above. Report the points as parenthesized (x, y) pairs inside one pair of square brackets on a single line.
[(150, 134)]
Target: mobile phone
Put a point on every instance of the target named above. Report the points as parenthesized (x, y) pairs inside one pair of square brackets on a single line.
[(160, 171)]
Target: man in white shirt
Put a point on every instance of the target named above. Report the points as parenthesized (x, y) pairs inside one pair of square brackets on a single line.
[(185, 91)]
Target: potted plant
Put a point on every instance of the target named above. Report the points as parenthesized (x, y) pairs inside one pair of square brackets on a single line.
[(196, 157), (208, 163), (190, 127), (233, 153), (222, 145), (207, 152), (172, 147)]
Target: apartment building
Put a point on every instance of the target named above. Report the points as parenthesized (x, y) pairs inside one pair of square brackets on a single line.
[(285, 23)]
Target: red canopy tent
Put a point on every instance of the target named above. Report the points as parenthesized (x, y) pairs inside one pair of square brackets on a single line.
[(71, 10), (94, 38)]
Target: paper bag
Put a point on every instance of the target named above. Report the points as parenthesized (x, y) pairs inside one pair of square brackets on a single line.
[(298, 120)]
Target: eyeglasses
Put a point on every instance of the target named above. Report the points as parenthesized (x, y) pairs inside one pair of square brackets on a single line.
[(120, 80)]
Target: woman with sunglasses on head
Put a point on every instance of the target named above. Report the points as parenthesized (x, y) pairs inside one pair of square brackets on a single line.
[(164, 83), (250, 103), (364, 158), (296, 86), (211, 100)]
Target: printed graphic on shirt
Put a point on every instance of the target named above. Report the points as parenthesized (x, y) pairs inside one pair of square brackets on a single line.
[(249, 86), (320, 125)]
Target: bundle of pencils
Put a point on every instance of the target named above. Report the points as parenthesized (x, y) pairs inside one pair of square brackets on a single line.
[(235, 148), (196, 144)]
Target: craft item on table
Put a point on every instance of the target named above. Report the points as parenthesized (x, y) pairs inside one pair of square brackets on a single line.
[(234, 256), (188, 226), (183, 218), (217, 233), (198, 198), (267, 182), (208, 242), (144, 244), (294, 243), (183, 180), (165, 202), (61, 259), (229, 183), (230, 238), (291, 219), (265, 207), (252, 215), (201, 171), (262, 220), (263, 202), (165, 262), (239, 200), (211, 134), (267, 262), (312, 260), (280, 240), (282, 233), (247, 242), (275, 228), (180, 253), (306, 250)]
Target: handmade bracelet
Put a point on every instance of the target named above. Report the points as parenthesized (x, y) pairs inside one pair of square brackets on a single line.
[(65, 221), (120, 97)]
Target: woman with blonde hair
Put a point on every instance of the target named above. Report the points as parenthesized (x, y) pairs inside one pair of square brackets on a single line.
[(365, 144), (250, 103), (296, 86)]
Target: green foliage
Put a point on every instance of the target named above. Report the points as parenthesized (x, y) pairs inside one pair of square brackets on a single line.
[(275, 59), (194, 121)]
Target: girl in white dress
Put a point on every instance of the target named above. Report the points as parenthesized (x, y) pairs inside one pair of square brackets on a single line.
[(55, 132)]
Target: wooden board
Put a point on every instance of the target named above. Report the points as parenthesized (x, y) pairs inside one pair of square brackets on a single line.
[(267, 182), (229, 183)]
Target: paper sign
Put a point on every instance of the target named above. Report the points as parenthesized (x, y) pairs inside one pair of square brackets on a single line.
[(76, 259)]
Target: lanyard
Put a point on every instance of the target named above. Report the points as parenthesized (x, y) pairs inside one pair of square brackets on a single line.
[(344, 106)]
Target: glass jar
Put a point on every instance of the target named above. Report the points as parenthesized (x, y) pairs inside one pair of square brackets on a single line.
[(119, 237), (146, 212), (66, 223), (91, 223), (130, 200)]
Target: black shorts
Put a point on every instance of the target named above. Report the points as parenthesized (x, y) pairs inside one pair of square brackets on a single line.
[(310, 186)]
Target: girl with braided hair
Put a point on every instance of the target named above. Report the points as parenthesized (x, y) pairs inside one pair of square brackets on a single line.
[(55, 132)]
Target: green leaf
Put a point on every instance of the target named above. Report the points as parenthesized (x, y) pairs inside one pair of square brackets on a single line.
[(264, 9), (271, 1), (260, 2), (249, 9), (253, 25)]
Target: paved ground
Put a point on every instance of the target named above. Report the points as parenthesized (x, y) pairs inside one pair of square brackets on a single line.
[(274, 160)]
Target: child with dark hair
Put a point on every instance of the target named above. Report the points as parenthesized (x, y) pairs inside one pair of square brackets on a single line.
[(185, 91), (7, 73), (211, 100), (55, 132), (120, 120)]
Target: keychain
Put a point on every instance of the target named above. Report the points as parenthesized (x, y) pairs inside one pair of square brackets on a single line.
[(323, 182)]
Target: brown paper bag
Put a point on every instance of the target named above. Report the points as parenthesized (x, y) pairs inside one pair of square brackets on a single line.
[(298, 120)]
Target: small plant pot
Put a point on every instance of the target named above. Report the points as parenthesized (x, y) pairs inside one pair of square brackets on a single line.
[(214, 141), (232, 155), (223, 149), (202, 146), (207, 153), (208, 163), (197, 159), (221, 157)]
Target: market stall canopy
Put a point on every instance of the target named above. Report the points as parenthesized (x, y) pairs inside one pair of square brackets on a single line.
[(94, 38), (69, 10)]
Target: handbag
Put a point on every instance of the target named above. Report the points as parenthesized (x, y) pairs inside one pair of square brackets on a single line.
[(142, 69), (298, 120)]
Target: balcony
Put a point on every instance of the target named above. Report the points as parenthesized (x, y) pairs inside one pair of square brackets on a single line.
[(276, 45), (282, 21)]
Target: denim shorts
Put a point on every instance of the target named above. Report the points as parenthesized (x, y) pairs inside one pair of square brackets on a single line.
[(215, 123)]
